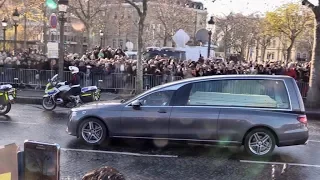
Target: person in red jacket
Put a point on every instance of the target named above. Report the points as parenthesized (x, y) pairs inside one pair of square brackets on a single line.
[(291, 71)]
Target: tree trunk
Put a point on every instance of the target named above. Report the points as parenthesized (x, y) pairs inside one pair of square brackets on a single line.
[(257, 51), (139, 76), (88, 38), (263, 53), (45, 36), (165, 41), (289, 53), (313, 96), (25, 32)]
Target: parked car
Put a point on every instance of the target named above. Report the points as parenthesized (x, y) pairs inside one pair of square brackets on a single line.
[(257, 111)]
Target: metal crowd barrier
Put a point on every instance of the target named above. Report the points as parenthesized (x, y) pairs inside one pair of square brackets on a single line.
[(303, 87), (115, 81)]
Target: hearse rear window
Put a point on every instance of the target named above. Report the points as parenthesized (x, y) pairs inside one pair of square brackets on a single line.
[(240, 93)]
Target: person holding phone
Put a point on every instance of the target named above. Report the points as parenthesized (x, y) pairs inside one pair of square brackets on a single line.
[(41, 161)]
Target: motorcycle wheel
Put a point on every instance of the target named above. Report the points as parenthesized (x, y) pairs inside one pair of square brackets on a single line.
[(47, 104), (4, 109)]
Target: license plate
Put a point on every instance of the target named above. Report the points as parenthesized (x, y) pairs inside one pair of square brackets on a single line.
[(10, 97)]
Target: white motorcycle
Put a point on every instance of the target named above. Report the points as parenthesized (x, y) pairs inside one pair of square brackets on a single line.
[(7, 95), (54, 95)]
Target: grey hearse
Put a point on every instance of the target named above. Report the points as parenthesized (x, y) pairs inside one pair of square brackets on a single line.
[(257, 111)]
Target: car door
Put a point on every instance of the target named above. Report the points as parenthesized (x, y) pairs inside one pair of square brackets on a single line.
[(191, 119), (150, 119), (256, 102)]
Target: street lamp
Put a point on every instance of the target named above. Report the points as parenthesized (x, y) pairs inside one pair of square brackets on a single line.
[(15, 18), (63, 6), (4, 24), (101, 36), (210, 28)]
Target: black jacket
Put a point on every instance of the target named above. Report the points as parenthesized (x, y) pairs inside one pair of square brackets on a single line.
[(75, 80)]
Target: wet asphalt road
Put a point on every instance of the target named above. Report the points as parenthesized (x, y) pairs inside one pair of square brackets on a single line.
[(141, 160)]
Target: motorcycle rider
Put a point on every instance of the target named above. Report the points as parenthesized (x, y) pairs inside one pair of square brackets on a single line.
[(74, 83)]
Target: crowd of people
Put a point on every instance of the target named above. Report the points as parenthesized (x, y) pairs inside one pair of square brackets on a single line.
[(108, 61)]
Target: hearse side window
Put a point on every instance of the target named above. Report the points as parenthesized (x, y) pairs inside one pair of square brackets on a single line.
[(253, 93), (161, 98)]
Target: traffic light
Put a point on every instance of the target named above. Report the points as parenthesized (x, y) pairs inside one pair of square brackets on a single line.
[(51, 4)]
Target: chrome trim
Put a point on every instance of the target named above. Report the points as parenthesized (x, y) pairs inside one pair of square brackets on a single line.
[(273, 79), (229, 107), (175, 139)]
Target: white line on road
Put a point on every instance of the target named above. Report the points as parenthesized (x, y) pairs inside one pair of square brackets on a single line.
[(121, 153), (280, 163), (16, 122), (314, 141)]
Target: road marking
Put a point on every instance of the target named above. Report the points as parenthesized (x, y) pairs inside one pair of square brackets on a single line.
[(16, 122), (314, 141), (280, 163), (121, 153), (32, 123)]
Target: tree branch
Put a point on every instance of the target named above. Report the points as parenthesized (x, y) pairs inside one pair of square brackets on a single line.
[(2, 3), (135, 6), (144, 7)]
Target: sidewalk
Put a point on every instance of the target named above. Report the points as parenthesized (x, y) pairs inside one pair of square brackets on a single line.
[(35, 96)]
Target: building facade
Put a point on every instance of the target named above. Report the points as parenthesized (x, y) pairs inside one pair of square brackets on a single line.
[(124, 24), (276, 50)]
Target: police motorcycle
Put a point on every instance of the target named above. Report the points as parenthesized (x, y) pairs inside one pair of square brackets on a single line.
[(55, 91), (7, 96)]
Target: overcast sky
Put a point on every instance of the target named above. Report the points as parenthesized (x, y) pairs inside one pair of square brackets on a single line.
[(221, 7)]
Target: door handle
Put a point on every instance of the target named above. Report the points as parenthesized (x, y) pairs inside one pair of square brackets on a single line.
[(162, 111)]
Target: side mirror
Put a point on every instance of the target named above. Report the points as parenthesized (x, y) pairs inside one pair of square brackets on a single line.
[(136, 104)]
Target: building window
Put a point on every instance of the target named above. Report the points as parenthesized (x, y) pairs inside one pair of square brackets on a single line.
[(121, 43), (158, 44), (304, 55), (298, 55), (274, 43), (268, 55), (114, 43), (269, 43), (272, 55)]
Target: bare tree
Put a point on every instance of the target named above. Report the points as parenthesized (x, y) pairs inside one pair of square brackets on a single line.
[(141, 9), (306, 41), (2, 3), (88, 11), (239, 32), (263, 38), (121, 22), (171, 16)]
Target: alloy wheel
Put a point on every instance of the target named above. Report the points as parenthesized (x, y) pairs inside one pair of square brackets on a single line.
[(92, 132), (260, 143)]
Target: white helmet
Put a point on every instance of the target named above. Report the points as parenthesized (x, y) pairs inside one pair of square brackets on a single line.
[(73, 69)]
